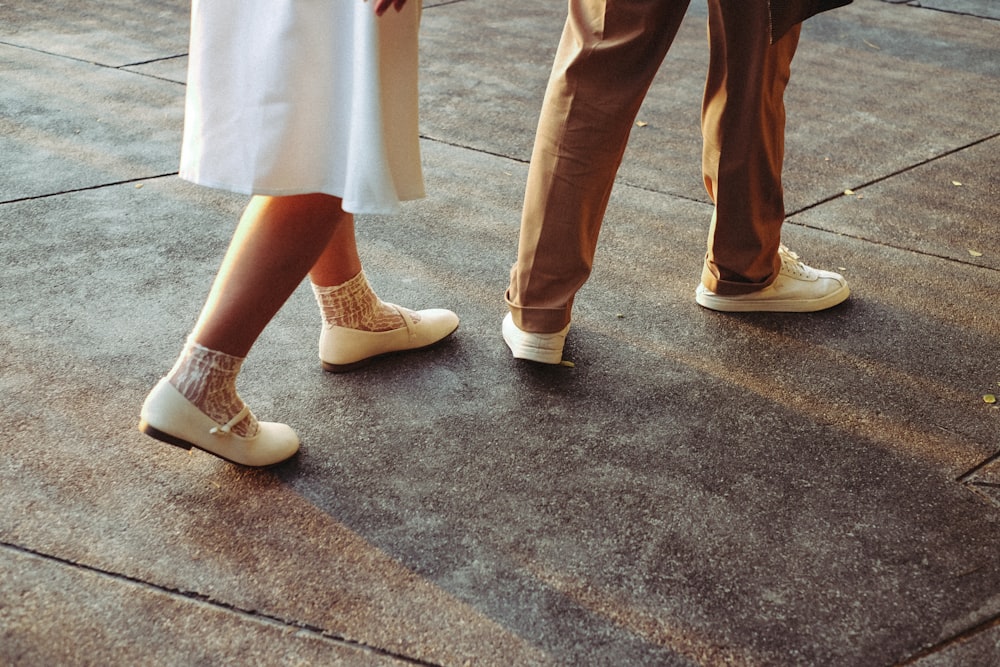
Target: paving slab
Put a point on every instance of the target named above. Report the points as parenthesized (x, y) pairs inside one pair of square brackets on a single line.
[(80, 503), (131, 622), (982, 648), (944, 207), (699, 489), (843, 131), (112, 33), (67, 124), (982, 8), (655, 529)]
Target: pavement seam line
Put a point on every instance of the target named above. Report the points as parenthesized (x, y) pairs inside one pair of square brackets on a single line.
[(94, 62), (982, 491), (964, 477), (445, 3), (893, 246), (455, 144), (140, 179), (194, 596), (150, 61), (957, 638), (802, 225), (826, 200), (944, 10), (893, 174)]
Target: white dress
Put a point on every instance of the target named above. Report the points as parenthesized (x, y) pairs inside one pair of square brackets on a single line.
[(299, 96)]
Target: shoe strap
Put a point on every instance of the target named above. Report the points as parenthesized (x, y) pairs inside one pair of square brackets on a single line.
[(228, 426), (404, 313)]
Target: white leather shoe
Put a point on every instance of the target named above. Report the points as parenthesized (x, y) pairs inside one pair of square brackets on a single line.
[(797, 289), (169, 417), (342, 349), (545, 348)]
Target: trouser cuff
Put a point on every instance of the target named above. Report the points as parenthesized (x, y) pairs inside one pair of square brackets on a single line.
[(713, 282), (539, 320)]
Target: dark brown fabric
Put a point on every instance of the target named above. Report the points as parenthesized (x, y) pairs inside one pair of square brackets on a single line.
[(786, 13), (610, 52)]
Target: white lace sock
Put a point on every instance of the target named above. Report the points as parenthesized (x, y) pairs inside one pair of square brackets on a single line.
[(207, 378), (353, 305)]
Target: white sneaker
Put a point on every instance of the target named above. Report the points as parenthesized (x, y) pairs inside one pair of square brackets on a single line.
[(797, 289), (543, 348)]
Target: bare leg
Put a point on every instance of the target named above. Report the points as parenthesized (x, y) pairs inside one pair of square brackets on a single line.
[(342, 291), (339, 261), (278, 241)]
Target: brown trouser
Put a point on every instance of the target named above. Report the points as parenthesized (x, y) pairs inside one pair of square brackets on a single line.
[(609, 53)]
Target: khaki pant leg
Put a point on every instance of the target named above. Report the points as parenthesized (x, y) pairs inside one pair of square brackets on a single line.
[(743, 123), (607, 58)]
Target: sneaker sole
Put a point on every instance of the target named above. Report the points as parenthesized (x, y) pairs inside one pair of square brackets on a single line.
[(733, 305), (538, 355)]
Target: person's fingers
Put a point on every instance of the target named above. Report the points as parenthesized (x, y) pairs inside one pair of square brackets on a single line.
[(382, 6)]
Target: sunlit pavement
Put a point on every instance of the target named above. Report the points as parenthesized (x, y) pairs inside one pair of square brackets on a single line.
[(697, 489)]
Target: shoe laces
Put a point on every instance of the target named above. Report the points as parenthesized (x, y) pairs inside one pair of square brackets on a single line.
[(792, 266)]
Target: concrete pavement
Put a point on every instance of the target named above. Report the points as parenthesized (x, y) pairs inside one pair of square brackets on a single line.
[(699, 489)]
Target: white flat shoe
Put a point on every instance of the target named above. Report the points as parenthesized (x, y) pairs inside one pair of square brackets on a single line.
[(543, 348), (342, 349), (171, 418)]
